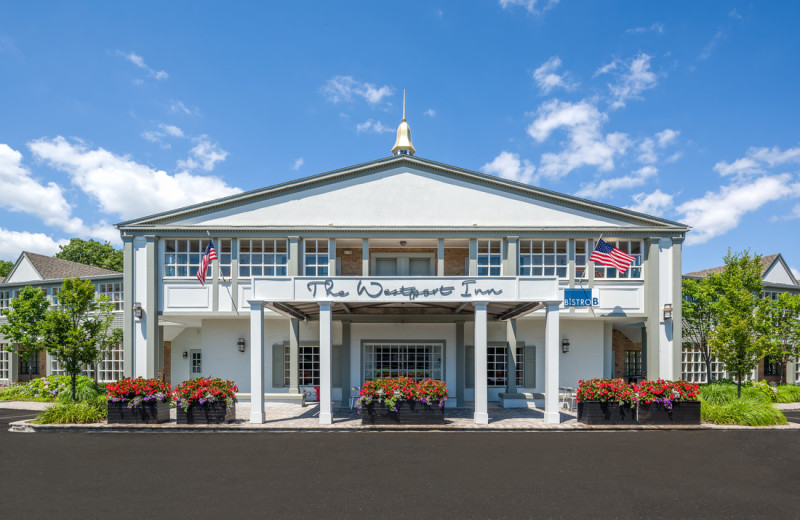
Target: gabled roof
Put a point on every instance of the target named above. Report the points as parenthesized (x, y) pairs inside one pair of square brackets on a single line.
[(766, 264), (164, 218), (51, 268)]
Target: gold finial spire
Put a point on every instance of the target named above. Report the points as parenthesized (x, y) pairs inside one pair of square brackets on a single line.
[(403, 146)]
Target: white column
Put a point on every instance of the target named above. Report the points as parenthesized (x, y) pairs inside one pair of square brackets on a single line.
[(256, 362), (481, 390), (325, 379), (552, 351)]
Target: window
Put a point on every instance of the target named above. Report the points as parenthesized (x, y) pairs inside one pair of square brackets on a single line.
[(543, 258), (29, 366), (114, 292), (633, 363), (693, 369), (770, 295), (196, 363), (490, 257), (497, 366), (582, 248), (633, 248), (182, 258), (52, 296), (263, 258), (6, 297), (111, 367), (771, 367), (417, 361), (307, 365), (223, 247), (5, 364), (316, 258)]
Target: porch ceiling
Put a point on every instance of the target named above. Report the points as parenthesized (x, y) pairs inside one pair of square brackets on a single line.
[(494, 310)]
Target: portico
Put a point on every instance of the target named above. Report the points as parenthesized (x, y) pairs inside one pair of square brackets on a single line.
[(491, 298)]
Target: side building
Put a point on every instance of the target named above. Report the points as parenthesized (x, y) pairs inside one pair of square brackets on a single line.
[(48, 273), (776, 278)]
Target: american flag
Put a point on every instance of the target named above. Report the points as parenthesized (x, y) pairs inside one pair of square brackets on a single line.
[(209, 257), (606, 254)]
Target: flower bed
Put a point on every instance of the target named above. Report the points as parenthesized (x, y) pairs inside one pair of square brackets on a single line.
[(206, 401), (605, 401), (612, 401), (138, 401), (402, 400)]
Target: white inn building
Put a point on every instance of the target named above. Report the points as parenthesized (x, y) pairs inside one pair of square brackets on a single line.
[(401, 266)]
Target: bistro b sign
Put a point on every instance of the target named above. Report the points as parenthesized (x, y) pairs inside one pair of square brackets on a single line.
[(579, 298)]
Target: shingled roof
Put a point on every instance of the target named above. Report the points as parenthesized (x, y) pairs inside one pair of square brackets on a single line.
[(51, 268), (766, 263)]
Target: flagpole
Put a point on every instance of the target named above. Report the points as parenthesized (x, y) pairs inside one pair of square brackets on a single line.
[(222, 277)]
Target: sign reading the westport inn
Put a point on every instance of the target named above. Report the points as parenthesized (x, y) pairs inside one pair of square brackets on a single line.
[(430, 289)]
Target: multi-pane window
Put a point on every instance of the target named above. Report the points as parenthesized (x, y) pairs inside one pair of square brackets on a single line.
[(52, 296), (770, 295), (182, 257), (29, 366), (631, 247), (263, 258), (315, 260), (111, 367), (497, 366), (543, 258), (113, 290), (582, 251), (490, 257), (196, 363), (417, 361), (307, 365), (224, 256), (693, 369), (6, 297), (5, 364), (633, 363), (771, 367)]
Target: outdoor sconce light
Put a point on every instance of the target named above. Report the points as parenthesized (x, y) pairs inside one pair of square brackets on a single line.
[(667, 311), (240, 344), (564, 346), (137, 310), (403, 243), (185, 354)]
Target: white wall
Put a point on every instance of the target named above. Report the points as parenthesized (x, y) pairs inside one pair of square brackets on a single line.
[(24, 272)]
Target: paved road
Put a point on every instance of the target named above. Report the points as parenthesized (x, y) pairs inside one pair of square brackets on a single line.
[(691, 474)]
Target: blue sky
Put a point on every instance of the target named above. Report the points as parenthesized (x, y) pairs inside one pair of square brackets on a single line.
[(687, 110)]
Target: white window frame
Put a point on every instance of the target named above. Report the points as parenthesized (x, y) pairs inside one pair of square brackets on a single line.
[(224, 250), (317, 268), (111, 368), (493, 264), (307, 361), (6, 296), (174, 262), (497, 362), (601, 272), (114, 292), (5, 364), (398, 352), (273, 263), (195, 363), (548, 262)]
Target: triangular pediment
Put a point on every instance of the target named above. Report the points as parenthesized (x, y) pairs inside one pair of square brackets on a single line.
[(23, 271), (403, 193), (779, 273)]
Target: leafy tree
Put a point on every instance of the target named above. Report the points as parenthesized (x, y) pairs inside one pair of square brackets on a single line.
[(24, 319), (77, 332), (699, 316), (784, 330), (739, 337), (91, 252), (5, 267)]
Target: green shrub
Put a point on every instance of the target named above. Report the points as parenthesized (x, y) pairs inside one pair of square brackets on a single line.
[(18, 392), (723, 393), (82, 412), (84, 391), (743, 412), (788, 394)]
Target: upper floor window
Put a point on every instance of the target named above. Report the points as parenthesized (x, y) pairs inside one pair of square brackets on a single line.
[(224, 255), (543, 258), (114, 292), (52, 295), (490, 257), (315, 261), (263, 258), (6, 297), (584, 248), (182, 257), (770, 295)]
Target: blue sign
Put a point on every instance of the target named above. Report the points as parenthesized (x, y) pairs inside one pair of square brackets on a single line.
[(579, 298)]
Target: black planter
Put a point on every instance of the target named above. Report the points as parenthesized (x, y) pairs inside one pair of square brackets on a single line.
[(408, 412), (601, 412), (683, 412), (151, 412), (207, 413)]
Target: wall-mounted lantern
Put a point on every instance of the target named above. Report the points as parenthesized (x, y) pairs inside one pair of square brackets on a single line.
[(137, 310), (564, 345), (240, 344), (185, 354), (667, 311)]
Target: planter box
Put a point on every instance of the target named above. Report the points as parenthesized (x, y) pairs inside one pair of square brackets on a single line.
[(683, 412), (601, 412), (408, 412), (146, 413), (208, 413)]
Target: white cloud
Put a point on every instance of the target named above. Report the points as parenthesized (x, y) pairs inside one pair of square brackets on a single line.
[(298, 163), (177, 106), (667, 137), (718, 212), (656, 203), (532, 6), (709, 48), (586, 145), (655, 27), (430, 112), (735, 14), (139, 62), (632, 81), (774, 155), (172, 130), (12, 243), (205, 154), (156, 136), (547, 78), (376, 127), (605, 69), (123, 187), (795, 272), (674, 157), (743, 166), (342, 88), (509, 166), (605, 187), (647, 151), (756, 159)]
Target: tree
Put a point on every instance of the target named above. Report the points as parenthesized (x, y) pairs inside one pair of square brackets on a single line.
[(739, 337), (699, 316), (784, 330), (77, 332), (91, 252), (24, 319), (5, 267)]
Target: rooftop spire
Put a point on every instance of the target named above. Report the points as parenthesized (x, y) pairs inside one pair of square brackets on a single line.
[(403, 146)]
